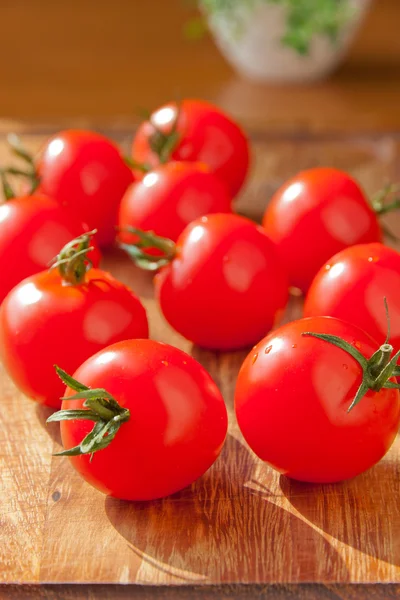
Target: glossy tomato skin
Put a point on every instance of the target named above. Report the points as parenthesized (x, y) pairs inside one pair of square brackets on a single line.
[(33, 230), (45, 322), (207, 135), (85, 172), (292, 397), (313, 216), (177, 426), (352, 286), (225, 288), (170, 197)]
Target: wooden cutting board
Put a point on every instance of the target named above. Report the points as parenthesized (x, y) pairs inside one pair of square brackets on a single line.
[(241, 531)]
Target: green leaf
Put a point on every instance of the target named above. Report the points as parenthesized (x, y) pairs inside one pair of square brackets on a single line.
[(73, 415), (362, 390), (391, 386), (342, 344), (70, 381), (89, 394)]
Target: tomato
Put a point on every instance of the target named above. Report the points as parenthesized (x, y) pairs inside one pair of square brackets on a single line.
[(85, 171), (292, 399), (194, 130), (224, 288), (33, 229), (314, 215), (174, 431), (351, 287), (170, 197), (46, 320)]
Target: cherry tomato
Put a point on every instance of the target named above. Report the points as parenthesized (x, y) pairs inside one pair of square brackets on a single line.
[(176, 426), (44, 320), (225, 288), (351, 287), (85, 171), (33, 229), (194, 130), (314, 215), (292, 399), (170, 197)]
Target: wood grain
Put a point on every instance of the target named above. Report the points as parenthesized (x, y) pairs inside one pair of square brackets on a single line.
[(70, 60), (241, 523)]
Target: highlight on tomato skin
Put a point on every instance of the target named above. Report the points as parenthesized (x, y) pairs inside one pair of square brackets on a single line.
[(316, 214), (195, 130), (85, 171), (177, 420), (171, 196), (33, 230), (225, 288), (293, 395), (350, 286)]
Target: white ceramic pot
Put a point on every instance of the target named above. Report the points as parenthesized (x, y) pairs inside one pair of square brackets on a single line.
[(251, 42)]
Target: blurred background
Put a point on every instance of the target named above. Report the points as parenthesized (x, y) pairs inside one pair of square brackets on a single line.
[(102, 62)]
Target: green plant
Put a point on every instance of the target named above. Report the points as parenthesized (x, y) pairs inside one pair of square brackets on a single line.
[(305, 18)]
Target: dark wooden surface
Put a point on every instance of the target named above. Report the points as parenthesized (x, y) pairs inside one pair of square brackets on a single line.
[(241, 523)]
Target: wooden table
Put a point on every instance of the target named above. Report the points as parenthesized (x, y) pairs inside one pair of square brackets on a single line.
[(241, 531)]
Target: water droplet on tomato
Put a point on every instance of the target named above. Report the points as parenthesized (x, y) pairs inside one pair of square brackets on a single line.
[(185, 362), (294, 345), (204, 219), (165, 362), (345, 366), (372, 259), (255, 358), (268, 349), (327, 267)]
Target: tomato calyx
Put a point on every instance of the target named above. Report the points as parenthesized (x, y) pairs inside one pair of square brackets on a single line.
[(163, 144), (148, 239), (73, 261), (100, 407), (377, 370)]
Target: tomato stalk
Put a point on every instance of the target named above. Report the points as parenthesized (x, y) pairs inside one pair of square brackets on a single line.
[(100, 407), (73, 261), (377, 370), (148, 239)]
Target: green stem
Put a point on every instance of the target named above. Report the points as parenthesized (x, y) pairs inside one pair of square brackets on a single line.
[(385, 353)]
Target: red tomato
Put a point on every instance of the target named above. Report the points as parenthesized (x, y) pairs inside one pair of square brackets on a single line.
[(225, 288), (33, 229), (314, 215), (194, 130), (176, 428), (351, 287), (43, 321), (170, 197), (86, 172), (292, 399)]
